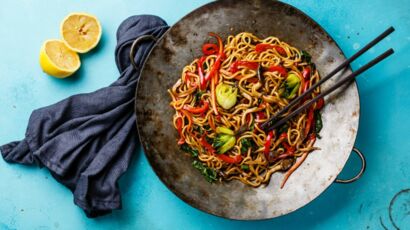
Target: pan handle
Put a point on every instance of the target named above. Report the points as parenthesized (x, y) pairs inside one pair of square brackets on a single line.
[(135, 45), (363, 168)]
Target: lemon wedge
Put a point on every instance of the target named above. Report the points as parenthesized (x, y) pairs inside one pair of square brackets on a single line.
[(57, 60), (81, 32)]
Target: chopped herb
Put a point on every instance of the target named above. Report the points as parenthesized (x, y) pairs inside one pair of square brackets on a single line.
[(260, 101), (198, 95), (209, 174), (246, 144), (197, 128), (245, 167), (207, 127), (209, 140), (318, 122), (283, 129), (185, 147), (306, 57)]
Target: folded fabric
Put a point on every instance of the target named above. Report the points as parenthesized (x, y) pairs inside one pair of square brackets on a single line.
[(87, 140)]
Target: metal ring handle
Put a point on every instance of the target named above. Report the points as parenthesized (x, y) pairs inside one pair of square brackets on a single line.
[(355, 178), (134, 47)]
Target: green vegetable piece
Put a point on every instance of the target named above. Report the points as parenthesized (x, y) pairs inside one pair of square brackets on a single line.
[(198, 95), (283, 129), (207, 127), (185, 147), (246, 144), (209, 174), (224, 142), (245, 167), (318, 121), (290, 86), (224, 130), (292, 80), (226, 95), (306, 57), (209, 140), (228, 145), (225, 139), (221, 139)]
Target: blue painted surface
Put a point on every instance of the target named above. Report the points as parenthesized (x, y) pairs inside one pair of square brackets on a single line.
[(31, 199)]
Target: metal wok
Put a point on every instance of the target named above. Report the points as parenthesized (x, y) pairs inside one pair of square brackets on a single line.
[(234, 200)]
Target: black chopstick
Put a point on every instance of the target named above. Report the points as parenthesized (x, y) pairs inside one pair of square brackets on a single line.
[(265, 125), (331, 89)]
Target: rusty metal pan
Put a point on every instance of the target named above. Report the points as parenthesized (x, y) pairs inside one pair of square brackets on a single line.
[(234, 200)]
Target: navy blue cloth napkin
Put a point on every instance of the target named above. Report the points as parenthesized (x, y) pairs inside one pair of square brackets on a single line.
[(87, 140)]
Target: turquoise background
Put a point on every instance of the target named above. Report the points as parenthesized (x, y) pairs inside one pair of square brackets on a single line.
[(31, 199)]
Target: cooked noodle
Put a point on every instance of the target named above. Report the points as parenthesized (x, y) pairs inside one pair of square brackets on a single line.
[(253, 158)]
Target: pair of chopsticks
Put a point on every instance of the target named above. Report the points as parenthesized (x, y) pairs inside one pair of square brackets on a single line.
[(274, 122)]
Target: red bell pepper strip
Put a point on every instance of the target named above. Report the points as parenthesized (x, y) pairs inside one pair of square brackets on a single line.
[(179, 129), (218, 60), (283, 136), (306, 77), (306, 73), (268, 143), (220, 44), (259, 48), (188, 76), (206, 145), (260, 115), (231, 160), (312, 137), (309, 122), (209, 49), (280, 50), (287, 154), (305, 87), (201, 73), (289, 149), (250, 65), (197, 110), (320, 103), (281, 70)]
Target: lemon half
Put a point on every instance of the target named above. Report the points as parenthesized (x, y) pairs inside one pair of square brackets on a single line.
[(81, 31), (57, 60)]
